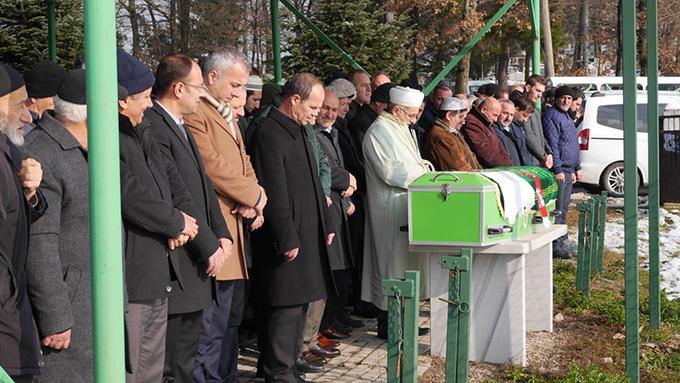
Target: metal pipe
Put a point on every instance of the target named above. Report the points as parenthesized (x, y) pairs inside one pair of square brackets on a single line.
[(653, 152), (631, 192), (52, 30), (104, 170), (276, 41), (319, 33), (536, 38), (461, 53)]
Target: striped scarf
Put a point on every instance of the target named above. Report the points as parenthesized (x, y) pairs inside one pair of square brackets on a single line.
[(224, 109)]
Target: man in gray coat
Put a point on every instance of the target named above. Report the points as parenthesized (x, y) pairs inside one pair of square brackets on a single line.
[(58, 264), (536, 143)]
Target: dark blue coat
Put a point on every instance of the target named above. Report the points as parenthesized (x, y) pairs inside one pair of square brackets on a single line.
[(520, 137), (562, 136)]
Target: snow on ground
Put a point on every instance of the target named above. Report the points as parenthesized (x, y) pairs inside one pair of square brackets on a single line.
[(669, 241)]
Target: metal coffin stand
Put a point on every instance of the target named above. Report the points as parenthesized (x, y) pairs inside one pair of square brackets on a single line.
[(511, 288)]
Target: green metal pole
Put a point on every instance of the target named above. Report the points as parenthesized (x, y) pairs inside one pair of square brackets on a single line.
[(319, 33), (459, 56), (52, 29), (630, 192), (581, 252), (601, 228), (653, 151), (104, 168), (458, 323), (276, 41), (409, 364), (4, 377), (403, 297), (536, 42)]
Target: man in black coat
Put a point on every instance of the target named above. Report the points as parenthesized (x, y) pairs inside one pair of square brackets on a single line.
[(289, 251), (20, 204), (367, 113), (178, 88), (158, 217)]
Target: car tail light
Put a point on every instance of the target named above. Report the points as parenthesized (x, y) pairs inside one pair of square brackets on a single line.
[(584, 139)]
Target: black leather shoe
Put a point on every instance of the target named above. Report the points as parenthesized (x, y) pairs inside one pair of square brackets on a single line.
[(351, 322), (306, 366), (341, 327), (332, 333), (326, 353)]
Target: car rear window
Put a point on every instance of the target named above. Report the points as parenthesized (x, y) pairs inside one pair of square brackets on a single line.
[(612, 116)]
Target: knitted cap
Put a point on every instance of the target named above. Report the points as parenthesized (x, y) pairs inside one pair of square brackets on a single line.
[(564, 90), (43, 79), (72, 89), (133, 74), (382, 93), (254, 83)]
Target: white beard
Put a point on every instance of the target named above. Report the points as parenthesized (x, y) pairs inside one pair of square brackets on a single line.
[(12, 132)]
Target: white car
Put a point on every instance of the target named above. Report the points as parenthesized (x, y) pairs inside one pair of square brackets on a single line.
[(601, 138)]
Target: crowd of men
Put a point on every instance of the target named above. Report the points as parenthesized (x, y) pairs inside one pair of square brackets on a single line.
[(246, 208)]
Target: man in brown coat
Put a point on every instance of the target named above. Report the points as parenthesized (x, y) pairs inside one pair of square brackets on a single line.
[(481, 136), (445, 144), (225, 74)]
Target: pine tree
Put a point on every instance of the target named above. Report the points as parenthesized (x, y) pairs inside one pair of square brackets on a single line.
[(360, 30), (23, 32)]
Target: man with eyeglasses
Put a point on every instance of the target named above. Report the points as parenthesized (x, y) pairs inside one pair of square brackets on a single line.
[(178, 89), (241, 201), (392, 163)]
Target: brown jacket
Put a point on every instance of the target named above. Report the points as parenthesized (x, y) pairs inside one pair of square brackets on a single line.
[(232, 176), (448, 150)]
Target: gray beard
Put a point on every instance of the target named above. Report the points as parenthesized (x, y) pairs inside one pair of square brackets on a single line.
[(12, 132)]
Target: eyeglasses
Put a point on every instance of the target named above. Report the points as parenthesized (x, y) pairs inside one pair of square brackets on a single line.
[(201, 86), (410, 115)]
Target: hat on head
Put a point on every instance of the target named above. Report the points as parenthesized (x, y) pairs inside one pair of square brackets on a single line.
[(72, 89), (453, 104), (254, 83), (133, 74), (406, 97), (10, 80), (269, 92), (382, 93), (343, 88), (43, 79), (564, 90)]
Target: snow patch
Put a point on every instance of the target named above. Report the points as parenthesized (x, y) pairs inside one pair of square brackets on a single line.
[(669, 243)]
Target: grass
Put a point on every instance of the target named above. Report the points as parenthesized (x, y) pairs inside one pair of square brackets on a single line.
[(660, 349)]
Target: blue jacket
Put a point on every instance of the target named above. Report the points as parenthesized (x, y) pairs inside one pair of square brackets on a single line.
[(560, 132), (518, 133)]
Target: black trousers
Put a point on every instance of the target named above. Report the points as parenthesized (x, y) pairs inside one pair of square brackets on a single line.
[(181, 343), (283, 328), (335, 306)]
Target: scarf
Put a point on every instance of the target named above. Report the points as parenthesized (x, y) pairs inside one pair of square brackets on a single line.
[(224, 109)]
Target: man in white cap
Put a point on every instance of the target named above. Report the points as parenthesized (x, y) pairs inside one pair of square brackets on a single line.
[(445, 145), (392, 162), (253, 98)]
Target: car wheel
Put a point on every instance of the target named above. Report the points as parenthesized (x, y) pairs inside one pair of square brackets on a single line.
[(612, 179)]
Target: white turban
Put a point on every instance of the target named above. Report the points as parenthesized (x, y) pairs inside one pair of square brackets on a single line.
[(407, 97)]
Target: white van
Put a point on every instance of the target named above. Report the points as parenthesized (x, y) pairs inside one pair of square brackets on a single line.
[(601, 138), (607, 83)]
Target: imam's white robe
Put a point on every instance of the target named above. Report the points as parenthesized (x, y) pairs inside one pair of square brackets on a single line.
[(392, 162)]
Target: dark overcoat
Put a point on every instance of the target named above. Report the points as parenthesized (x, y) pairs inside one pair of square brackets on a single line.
[(19, 343), (294, 215), (152, 199), (180, 148), (58, 266), (340, 251)]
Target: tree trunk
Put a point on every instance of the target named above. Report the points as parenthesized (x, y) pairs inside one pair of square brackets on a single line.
[(527, 62), (463, 67), (580, 64), (134, 27), (503, 64), (641, 44), (619, 39), (548, 57), (184, 21)]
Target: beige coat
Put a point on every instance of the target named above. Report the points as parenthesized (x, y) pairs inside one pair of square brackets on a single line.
[(232, 176)]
